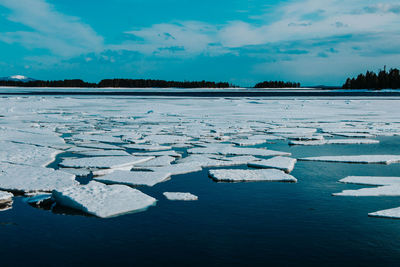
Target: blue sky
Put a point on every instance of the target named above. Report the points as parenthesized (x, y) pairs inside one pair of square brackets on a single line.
[(243, 42)]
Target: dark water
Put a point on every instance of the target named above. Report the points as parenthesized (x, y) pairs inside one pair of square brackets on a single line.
[(251, 224)]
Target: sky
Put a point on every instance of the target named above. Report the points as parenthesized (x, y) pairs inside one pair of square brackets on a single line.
[(243, 42)]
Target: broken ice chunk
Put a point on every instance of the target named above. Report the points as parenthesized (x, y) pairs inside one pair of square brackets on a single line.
[(235, 175), (282, 163), (103, 200), (135, 178), (148, 147), (388, 190), (28, 179), (103, 162), (180, 196), (389, 213), (371, 180), (174, 169), (157, 162), (361, 159), (5, 197)]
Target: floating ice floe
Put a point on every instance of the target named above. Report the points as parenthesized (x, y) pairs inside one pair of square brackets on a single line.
[(361, 159), (305, 137), (104, 153), (236, 175), (27, 154), (76, 172), (302, 131), (388, 190), (207, 161), (171, 153), (389, 213), (148, 147), (28, 179), (248, 142), (134, 178), (103, 162), (103, 200), (359, 135), (180, 196), (99, 146), (308, 143), (282, 163), (371, 180), (233, 151), (5, 197), (174, 169), (335, 142), (157, 162)]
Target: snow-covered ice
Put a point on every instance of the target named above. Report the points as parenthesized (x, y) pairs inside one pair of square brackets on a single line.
[(103, 200), (180, 196), (371, 180), (361, 159), (236, 175), (282, 163), (28, 179), (5, 197), (387, 190), (103, 162), (389, 213), (134, 178)]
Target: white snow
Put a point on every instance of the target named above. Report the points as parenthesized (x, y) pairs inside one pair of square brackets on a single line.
[(282, 163), (103, 200), (134, 178), (361, 159), (236, 175), (180, 196)]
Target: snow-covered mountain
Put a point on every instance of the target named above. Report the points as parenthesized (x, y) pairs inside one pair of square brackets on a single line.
[(17, 78)]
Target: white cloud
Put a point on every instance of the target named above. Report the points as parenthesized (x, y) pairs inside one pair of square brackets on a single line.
[(61, 34), (299, 21)]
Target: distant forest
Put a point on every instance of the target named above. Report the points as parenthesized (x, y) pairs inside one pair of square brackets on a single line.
[(128, 83), (370, 80), (277, 84), (141, 83)]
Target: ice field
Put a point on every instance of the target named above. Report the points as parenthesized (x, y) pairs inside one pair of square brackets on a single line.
[(111, 160)]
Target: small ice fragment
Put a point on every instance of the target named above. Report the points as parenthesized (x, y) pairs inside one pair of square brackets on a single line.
[(5, 197), (236, 175), (361, 159), (180, 196)]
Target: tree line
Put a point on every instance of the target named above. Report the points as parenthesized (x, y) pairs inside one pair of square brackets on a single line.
[(277, 84), (127, 83), (140, 83), (371, 80)]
